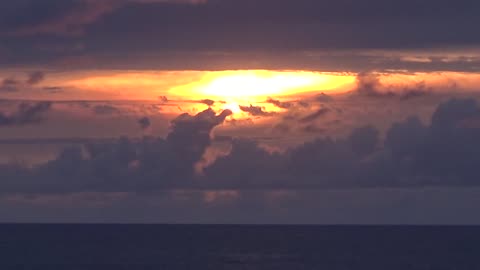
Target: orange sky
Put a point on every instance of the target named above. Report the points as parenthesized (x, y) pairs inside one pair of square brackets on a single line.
[(234, 86)]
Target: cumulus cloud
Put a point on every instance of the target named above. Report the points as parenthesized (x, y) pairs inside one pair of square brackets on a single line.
[(441, 153), (128, 165)]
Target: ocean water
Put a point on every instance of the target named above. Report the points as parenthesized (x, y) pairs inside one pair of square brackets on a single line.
[(117, 247)]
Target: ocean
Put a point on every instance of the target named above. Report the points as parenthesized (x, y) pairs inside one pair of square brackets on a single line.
[(219, 247)]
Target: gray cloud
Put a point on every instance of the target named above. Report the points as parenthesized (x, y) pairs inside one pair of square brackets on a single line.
[(207, 102), (35, 77), (413, 154), (144, 123), (255, 110), (280, 104), (322, 97), (314, 116), (26, 113), (369, 84), (66, 17), (106, 110), (13, 85), (354, 30), (10, 85)]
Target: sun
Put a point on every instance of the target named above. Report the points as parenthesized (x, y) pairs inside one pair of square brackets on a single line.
[(257, 83), (233, 107)]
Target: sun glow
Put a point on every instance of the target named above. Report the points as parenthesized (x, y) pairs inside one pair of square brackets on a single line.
[(254, 84), (232, 106)]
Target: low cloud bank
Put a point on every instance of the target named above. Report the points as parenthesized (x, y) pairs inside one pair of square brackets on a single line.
[(444, 152)]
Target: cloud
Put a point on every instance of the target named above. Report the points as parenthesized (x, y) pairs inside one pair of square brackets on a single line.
[(35, 77), (64, 17), (149, 163), (10, 85), (53, 89), (14, 85), (280, 104), (413, 154), (369, 84), (163, 99), (311, 128), (144, 123), (103, 26), (106, 110), (190, 135), (255, 110), (26, 113), (314, 116), (322, 97), (364, 140), (207, 102), (67, 17)]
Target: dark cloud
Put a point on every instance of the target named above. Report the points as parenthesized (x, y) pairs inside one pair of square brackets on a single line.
[(304, 104), (68, 17), (163, 99), (26, 113), (280, 104), (61, 17), (14, 85), (53, 89), (413, 154), (141, 165), (190, 136), (207, 102), (10, 85), (364, 140), (144, 123), (255, 110), (322, 97), (241, 34), (314, 116), (282, 128), (313, 129), (106, 110), (369, 84), (35, 77)]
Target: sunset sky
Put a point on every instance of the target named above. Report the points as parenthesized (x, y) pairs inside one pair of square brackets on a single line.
[(240, 111)]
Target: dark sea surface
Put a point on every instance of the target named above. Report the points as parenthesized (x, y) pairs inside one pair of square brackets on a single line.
[(116, 247)]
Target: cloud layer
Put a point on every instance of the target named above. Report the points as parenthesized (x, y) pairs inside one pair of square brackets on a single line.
[(233, 33), (412, 154)]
